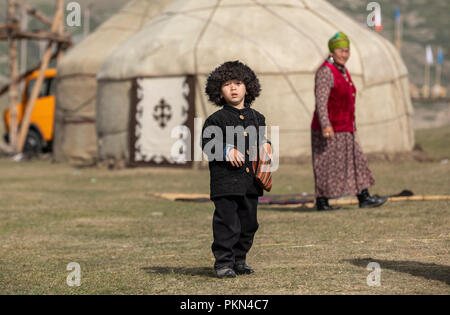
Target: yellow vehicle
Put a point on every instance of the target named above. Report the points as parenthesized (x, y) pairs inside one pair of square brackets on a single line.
[(40, 133)]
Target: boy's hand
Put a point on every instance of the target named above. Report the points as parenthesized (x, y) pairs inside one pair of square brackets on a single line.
[(268, 148), (236, 158)]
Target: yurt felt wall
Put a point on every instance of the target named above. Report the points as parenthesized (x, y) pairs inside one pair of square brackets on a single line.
[(284, 42), (75, 136)]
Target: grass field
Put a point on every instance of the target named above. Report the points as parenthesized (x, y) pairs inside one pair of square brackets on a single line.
[(129, 242)]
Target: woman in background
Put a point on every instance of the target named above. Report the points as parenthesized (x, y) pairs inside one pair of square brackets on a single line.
[(340, 167)]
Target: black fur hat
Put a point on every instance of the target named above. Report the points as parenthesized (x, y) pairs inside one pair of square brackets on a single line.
[(232, 70)]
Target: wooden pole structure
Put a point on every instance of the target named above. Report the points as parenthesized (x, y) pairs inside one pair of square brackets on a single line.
[(39, 35), (38, 15), (23, 76), (60, 52), (57, 20), (13, 69), (23, 42)]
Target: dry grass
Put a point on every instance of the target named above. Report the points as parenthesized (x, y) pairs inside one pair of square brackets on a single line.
[(128, 242)]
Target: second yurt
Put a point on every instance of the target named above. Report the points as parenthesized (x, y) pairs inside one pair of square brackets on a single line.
[(75, 135)]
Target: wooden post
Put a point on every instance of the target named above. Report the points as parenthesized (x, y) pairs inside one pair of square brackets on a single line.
[(426, 91), (57, 20), (437, 79), (13, 69), (87, 21), (436, 90), (426, 86), (398, 34), (23, 42), (60, 53)]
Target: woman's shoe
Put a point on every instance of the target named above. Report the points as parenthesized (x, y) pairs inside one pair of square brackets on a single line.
[(322, 204), (368, 201)]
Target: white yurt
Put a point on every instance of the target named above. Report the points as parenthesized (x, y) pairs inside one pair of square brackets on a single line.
[(75, 135), (155, 81)]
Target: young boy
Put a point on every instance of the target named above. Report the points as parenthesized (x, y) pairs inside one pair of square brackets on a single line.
[(234, 190)]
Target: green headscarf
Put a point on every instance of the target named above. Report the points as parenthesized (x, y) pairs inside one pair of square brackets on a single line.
[(340, 40)]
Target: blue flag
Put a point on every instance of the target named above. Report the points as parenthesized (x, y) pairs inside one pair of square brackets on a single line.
[(397, 14), (440, 57)]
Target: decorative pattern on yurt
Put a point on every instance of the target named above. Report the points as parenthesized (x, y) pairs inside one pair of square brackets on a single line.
[(162, 117), (75, 138)]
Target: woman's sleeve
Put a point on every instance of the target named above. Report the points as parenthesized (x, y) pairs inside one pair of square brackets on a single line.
[(324, 83)]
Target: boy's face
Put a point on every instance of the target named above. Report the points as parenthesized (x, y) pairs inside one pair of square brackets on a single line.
[(233, 92)]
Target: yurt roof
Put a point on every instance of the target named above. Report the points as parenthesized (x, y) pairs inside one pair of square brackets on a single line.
[(273, 36), (87, 57)]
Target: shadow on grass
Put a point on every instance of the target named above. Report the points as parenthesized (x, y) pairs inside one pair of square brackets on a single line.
[(187, 271), (415, 268)]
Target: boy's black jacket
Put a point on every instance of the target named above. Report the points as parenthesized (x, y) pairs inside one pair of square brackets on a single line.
[(226, 179)]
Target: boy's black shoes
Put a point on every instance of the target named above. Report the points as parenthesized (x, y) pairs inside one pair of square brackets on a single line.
[(322, 204), (368, 201), (243, 269), (225, 272)]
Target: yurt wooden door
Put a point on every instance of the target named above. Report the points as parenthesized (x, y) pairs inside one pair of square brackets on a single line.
[(162, 121)]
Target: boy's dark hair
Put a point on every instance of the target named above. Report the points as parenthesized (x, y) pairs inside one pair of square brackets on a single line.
[(232, 70)]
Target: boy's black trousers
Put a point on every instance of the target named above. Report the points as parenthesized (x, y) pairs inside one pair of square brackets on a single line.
[(234, 226)]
